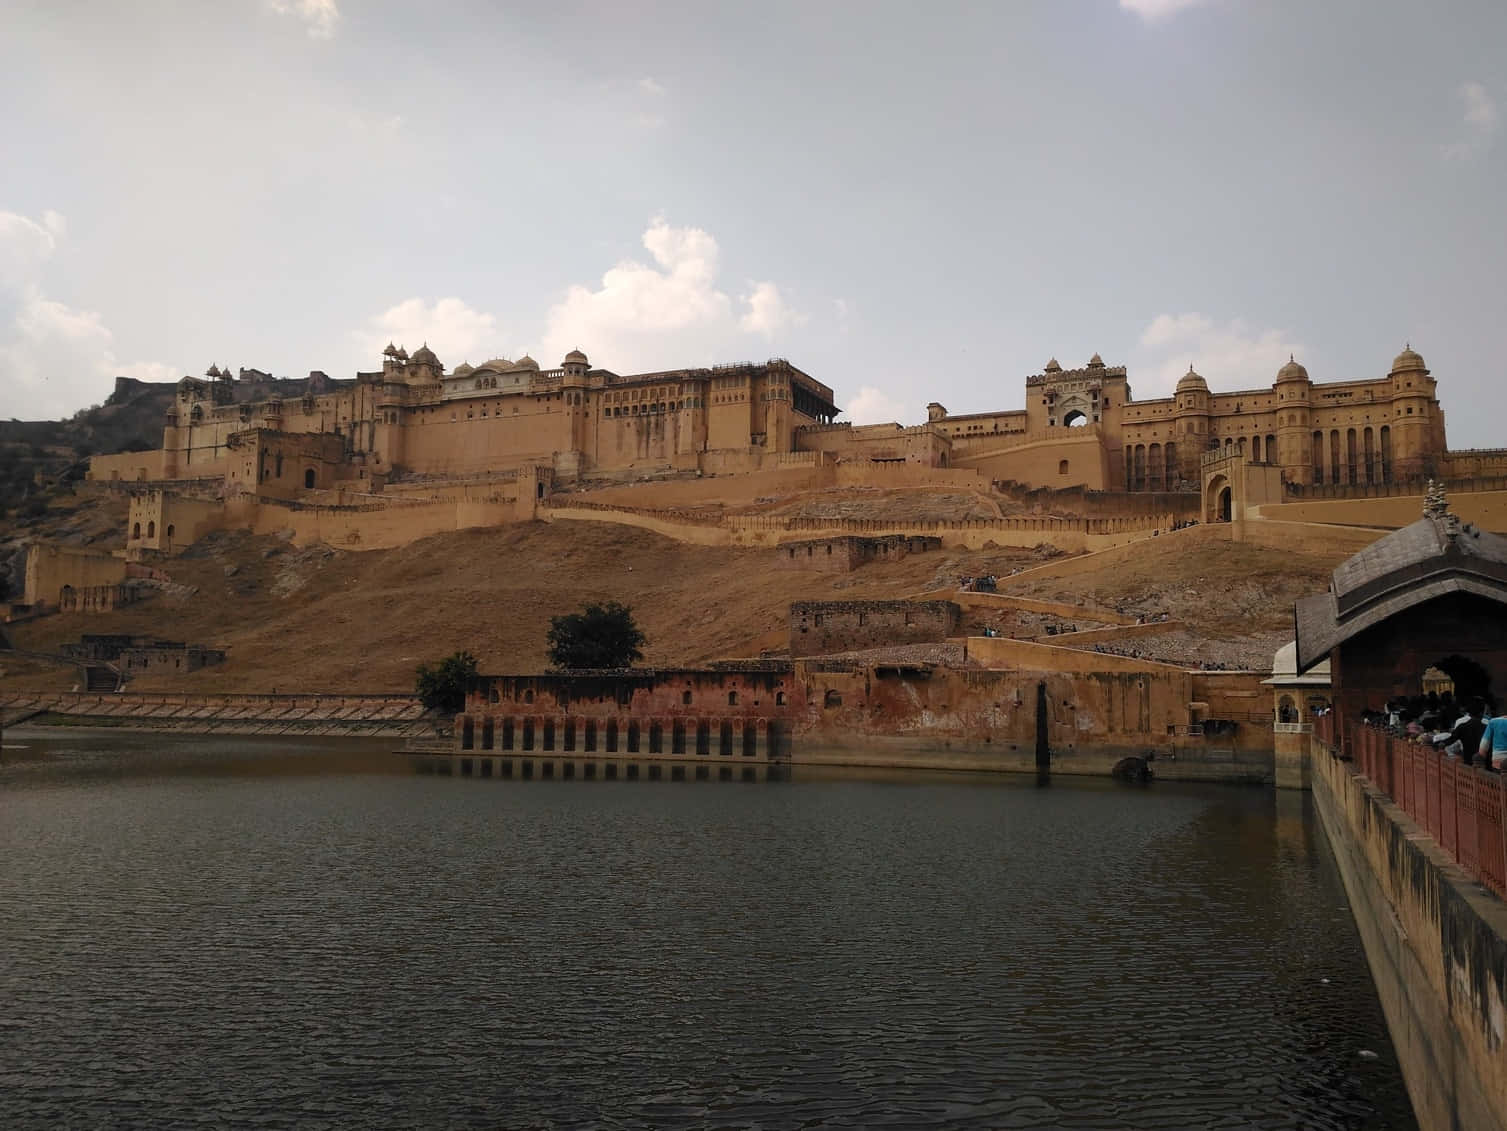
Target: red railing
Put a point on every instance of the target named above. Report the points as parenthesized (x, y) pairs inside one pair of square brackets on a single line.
[(1461, 807)]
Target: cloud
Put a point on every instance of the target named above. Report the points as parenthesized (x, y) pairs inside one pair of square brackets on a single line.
[(1480, 110), (668, 313), (1479, 117), (1229, 355), (651, 87), (53, 357), (319, 16), (1154, 10), (768, 313), (875, 406), (25, 245), (452, 330)]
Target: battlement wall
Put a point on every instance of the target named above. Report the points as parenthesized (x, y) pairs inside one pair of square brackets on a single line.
[(1487, 509)]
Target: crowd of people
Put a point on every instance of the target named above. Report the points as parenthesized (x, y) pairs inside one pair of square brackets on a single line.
[(1470, 730), (988, 583)]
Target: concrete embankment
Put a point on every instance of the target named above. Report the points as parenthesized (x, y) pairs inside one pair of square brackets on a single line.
[(1436, 944), (399, 716), (1189, 760)]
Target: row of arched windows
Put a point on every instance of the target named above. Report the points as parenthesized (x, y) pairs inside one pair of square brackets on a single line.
[(588, 736), (1361, 457)]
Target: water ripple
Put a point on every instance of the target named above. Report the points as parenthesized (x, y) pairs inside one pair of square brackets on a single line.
[(272, 950)]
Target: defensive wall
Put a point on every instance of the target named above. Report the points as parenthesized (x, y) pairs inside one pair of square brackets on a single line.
[(1102, 504), (1068, 534), (1088, 637), (1436, 944), (819, 628), (979, 600), (51, 568), (1486, 509), (820, 472), (129, 467), (1078, 456), (1091, 710), (847, 552)]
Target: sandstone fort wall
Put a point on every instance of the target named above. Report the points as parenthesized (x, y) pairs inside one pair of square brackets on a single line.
[(49, 568), (822, 627), (1487, 509)]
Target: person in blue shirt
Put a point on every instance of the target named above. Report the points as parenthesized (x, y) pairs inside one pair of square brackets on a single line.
[(1493, 751)]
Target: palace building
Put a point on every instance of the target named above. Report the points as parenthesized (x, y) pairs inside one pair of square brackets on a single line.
[(1079, 428)]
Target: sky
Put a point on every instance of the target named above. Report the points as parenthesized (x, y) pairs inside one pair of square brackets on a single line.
[(911, 202)]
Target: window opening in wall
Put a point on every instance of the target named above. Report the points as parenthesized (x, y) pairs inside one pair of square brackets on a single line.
[(732, 698)]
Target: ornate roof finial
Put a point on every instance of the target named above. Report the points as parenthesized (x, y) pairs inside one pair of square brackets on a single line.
[(1435, 505)]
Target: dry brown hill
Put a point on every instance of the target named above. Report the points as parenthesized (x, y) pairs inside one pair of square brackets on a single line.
[(319, 618), (326, 619)]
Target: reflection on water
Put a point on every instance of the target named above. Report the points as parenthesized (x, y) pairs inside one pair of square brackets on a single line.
[(231, 930)]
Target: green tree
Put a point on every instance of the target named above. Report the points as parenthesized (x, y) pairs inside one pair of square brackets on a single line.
[(599, 636), (442, 686)]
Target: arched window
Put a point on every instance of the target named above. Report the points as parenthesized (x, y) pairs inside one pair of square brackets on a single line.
[(169, 530), (1062, 467), (135, 530), (308, 478), (152, 529)]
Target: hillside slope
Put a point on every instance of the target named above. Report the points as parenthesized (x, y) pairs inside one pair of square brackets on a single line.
[(318, 618), (326, 619)]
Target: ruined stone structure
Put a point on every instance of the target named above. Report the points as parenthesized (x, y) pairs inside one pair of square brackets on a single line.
[(94, 598), (846, 553), (819, 628), (137, 655)]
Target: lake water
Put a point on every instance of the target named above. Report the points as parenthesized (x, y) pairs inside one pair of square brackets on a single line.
[(233, 932)]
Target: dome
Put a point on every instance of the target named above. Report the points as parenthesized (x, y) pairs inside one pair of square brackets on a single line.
[(525, 362), (1052, 367), (575, 357), (1292, 371), (1096, 362), (390, 351), (1191, 382), (1408, 361), (462, 370), (212, 371), (497, 365), (402, 354), (425, 356)]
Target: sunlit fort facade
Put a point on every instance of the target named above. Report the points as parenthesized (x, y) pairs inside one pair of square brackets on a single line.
[(577, 423)]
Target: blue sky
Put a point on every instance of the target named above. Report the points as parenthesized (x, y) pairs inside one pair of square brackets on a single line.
[(911, 202)]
